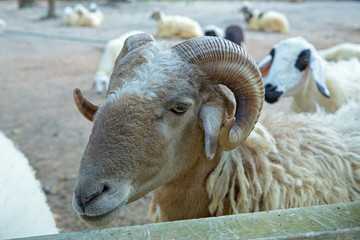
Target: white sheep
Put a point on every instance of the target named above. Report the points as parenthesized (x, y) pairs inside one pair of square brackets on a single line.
[(343, 51), (171, 123), (81, 16), (23, 209), (294, 68), (268, 21), (176, 27), (112, 49)]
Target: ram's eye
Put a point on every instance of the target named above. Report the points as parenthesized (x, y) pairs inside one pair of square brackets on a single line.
[(179, 108)]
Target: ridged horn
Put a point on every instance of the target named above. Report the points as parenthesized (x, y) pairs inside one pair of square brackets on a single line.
[(228, 64), (86, 108)]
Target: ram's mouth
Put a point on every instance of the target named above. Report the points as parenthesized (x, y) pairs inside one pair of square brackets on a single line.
[(103, 219)]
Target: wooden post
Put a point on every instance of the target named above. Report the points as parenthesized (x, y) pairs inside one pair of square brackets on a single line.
[(51, 11)]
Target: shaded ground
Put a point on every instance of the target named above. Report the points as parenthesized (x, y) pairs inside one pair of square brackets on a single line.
[(38, 75)]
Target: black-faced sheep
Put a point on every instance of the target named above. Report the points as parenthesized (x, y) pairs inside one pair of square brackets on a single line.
[(267, 21), (176, 27), (294, 68), (182, 121), (23, 208)]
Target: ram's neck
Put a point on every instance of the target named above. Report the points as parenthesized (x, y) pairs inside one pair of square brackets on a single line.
[(186, 196), (220, 186)]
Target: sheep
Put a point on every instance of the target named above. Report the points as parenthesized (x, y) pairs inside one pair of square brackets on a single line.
[(233, 33), (23, 208), (268, 21), (343, 51), (176, 27), (112, 49), (182, 121), (294, 68), (81, 16), (213, 30)]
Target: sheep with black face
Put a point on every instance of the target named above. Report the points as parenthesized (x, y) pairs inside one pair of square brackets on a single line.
[(295, 69), (182, 121)]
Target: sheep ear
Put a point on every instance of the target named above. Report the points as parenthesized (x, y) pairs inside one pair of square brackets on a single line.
[(317, 70), (265, 65), (211, 115), (135, 41)]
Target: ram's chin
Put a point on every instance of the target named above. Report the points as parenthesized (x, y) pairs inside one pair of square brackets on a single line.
[(101, 220)]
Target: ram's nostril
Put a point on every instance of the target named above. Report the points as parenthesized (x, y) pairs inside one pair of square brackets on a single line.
[(106, 188), (84, 199)]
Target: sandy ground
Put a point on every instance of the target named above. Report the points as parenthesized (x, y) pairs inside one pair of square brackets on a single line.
[(37, 76)]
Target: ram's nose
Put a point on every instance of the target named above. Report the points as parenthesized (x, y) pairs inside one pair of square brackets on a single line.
[(271, 95)]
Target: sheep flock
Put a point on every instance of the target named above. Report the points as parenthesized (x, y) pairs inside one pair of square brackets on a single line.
[(188, 114)]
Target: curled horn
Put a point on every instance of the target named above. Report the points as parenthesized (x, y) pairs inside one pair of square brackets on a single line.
[(86, 108), (228, 64)]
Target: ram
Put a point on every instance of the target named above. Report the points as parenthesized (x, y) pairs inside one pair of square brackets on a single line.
[(23, 208), (182, 121), (295, 69)]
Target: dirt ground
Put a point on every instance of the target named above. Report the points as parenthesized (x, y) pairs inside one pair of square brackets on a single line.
[(37, 76)]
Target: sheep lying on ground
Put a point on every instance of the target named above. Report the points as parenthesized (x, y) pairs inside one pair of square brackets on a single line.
[(214, 31), (176, 27), (171, 123), (81, 16), (23, 209), (112, 49), (343, 51), (268, 21), (294, 68)]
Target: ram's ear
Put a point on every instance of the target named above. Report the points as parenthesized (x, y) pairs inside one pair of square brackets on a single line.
[(265, 65), (215, 115), (317, 70), (211, 115)]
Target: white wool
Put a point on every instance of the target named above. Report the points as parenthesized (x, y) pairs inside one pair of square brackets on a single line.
[(23, 209), (343, 51)]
